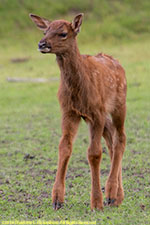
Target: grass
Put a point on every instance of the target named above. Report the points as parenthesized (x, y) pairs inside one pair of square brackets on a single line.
[(30, 115), (30, 133), (107, 19)]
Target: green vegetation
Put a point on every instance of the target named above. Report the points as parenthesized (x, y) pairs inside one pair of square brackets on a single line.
[(30, 114), (104, 18)]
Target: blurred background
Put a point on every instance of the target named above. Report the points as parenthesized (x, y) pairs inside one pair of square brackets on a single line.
[(106, 19), (107, 23)]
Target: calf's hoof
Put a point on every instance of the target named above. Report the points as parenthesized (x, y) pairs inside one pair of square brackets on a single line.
[(57, 205), (58, 196)]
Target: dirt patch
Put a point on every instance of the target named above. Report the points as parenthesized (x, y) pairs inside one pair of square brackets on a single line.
[(20, 60), (28, 156), (46, 171), (84, 161), (142, 207), (104, 171), (44, 194)]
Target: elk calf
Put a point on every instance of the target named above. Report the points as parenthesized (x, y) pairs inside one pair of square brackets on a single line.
[(92, 88)]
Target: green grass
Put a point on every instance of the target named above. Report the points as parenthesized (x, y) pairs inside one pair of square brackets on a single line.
[(30, 124), (103, 18), (30, 116)]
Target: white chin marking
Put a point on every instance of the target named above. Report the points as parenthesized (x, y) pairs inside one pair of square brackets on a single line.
[(45, 50)]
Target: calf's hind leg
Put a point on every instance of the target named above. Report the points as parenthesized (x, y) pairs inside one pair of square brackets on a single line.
[(70, 122), (109, 136), (114, 190)]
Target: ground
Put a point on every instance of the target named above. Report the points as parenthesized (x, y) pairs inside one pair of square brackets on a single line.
[(30, 132)]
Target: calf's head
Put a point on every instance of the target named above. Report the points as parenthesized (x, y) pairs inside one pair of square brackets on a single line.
[(59, 35)]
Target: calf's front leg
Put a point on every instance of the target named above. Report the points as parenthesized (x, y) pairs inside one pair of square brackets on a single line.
[(70, 122), (94, 158)]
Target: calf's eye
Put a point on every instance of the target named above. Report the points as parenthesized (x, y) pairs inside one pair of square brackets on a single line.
[(63, 35)]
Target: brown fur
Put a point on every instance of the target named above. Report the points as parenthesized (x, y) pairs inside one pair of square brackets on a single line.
[(92, 88)]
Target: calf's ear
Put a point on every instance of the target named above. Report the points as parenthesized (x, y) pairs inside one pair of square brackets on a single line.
[(41, 23), (76, 23)]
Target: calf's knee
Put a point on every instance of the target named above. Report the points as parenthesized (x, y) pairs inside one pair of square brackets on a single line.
[(94, 156), (65, 148)]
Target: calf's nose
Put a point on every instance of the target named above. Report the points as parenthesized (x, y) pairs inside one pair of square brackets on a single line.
[(42, 44)]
